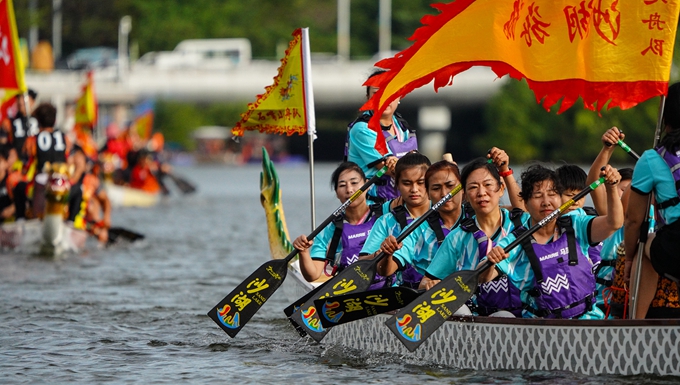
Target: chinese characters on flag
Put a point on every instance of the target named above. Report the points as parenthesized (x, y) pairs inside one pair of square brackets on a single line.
[(603, 51)]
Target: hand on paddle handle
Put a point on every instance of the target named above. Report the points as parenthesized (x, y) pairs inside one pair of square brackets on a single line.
[(391, 162), (611, 176), (499, 158), (302, 244), (612, 137), (494, 256), (390, 245), (427, 283)]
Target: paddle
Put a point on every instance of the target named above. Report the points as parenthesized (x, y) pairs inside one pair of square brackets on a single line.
[(413, 325), (290, 309), (355, 306), (239, 306), (627, 149), (185, 186), (116, 233), (356, 277)]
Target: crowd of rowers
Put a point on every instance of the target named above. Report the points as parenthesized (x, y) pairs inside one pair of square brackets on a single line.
[(30, 148), (577, 266)]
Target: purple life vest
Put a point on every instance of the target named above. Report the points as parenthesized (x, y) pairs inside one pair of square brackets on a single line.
[(595, 258), (353, 238), (564, 283), (500, 293), (673, 162)]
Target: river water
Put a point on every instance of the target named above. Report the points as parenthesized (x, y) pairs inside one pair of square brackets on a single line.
[(136, 313)]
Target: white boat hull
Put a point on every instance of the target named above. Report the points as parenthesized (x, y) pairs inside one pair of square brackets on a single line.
[(50, 237), (122, 196)]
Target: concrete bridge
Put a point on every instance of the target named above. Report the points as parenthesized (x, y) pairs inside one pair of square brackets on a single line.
[(337, 84)]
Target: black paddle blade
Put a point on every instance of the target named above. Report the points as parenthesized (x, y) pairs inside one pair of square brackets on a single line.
[(116, 233), (416, 322), (354, 278), (237, 308), (183, 184), (352, 307), (288, 311)]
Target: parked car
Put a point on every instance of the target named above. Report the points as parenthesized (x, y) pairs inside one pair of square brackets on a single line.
[(95, 57)]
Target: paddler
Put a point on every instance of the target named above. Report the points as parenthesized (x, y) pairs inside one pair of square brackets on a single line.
[(552, 268), (465, 246), (338, 245), (89, 207), (360, 145), (656, 172)]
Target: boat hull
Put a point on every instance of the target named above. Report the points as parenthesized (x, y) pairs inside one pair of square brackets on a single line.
[(122, 196), (49, 237), (619, 347)]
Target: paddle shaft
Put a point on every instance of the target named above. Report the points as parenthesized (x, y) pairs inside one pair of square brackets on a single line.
[(627, 149), (416, 223), (339, 210)]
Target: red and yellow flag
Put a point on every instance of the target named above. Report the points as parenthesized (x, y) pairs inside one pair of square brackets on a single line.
[(281, 109), (11, 67), (86, 105), (599, 50)]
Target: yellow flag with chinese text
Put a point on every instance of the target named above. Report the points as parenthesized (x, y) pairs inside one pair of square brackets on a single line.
[(281, 109), (607, 52)]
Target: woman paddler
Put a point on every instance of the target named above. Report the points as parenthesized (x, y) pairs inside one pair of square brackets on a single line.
[(419, 247), (657, 171), (360, 145), (338, 245), (465, 246), (551, 268), (410, 177)]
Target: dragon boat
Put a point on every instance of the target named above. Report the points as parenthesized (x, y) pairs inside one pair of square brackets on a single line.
[(124, 196), (621, 347), (51, 236)]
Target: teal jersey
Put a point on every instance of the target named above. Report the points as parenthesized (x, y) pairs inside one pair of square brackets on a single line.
[(385, 226), (518, 268), (653, 174), (361, 141), (419, 248), (459, 251)]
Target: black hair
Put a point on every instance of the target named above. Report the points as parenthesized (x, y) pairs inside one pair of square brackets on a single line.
[(626, 173), (344, 166), (375, 72), (534, 175), (571, 177), (4, 151), (671, 118), (46, 115), (442, 165), (411, 159), (477, 164)]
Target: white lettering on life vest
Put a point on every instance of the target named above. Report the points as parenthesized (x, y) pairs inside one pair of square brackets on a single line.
[(358, 235), (549, 256)]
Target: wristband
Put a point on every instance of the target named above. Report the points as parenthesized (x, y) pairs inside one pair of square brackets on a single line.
[(505, 173)]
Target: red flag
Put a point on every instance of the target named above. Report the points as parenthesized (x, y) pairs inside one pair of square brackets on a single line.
[(599, 50), (11, 67)]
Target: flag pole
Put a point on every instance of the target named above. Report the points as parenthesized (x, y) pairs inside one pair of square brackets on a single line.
[(644, 229), (310, 116)]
